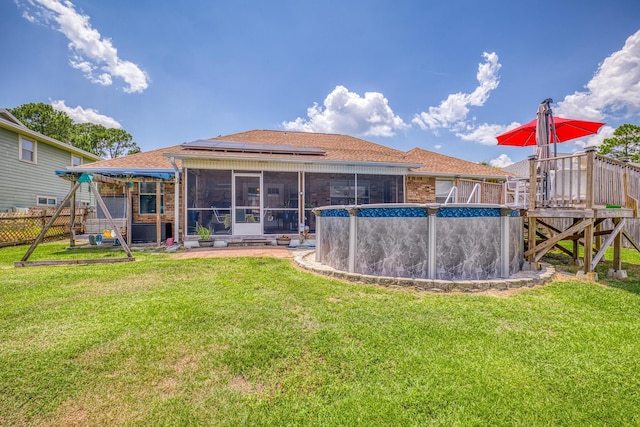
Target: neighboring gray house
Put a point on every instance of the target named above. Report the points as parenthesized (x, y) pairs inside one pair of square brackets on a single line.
[(27, 167)]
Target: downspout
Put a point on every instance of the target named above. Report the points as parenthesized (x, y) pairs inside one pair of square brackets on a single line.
[(176, 190)]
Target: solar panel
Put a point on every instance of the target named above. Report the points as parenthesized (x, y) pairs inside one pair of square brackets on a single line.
[(249, 147)]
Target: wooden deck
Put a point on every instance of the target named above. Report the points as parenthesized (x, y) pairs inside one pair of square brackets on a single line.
[(585, 190)]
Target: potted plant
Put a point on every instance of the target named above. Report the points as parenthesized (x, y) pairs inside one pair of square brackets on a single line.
[(204, 236), (283, 240)]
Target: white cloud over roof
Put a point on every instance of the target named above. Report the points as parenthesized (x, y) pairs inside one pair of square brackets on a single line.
[(501, 161), (485, 133), (92, 54), (452, 112), (348, 113)]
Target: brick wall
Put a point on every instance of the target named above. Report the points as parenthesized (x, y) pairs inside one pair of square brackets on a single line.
[(421, 189), (169, 202), (169, 206)]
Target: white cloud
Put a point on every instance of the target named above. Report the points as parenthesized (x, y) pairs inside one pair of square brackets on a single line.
[(92, 54), (485, 133), (614, 89), (452, 112), (595, 140), (438, 146), (349, 113), (85, 115), (501, 161)]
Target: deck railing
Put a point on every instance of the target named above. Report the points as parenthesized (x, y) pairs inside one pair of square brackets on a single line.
[(583, 180), (473, 191)]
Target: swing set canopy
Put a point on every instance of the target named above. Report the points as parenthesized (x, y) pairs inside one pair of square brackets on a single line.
[(122, 174)]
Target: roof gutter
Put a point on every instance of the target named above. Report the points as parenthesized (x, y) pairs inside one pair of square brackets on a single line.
[(289, 160), (457, 175)]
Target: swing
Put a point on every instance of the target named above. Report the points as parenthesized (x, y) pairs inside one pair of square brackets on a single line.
[(88, 178), (109, 233)]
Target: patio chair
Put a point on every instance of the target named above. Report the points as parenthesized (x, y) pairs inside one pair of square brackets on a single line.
[(517, 189), (220, 221)]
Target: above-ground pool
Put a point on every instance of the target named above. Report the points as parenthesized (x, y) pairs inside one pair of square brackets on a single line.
[(443, 242)]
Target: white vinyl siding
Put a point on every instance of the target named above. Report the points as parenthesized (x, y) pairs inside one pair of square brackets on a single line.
[(23, 181)]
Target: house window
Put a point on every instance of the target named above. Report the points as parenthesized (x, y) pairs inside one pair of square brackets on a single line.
[(147, 197), (46, 201), (27, 150), (442, 190), (76, 160)]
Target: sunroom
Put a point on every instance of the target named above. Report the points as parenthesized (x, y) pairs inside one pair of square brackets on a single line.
[(256, 189)]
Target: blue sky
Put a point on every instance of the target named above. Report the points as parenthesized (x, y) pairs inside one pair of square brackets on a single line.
[(443, 76)]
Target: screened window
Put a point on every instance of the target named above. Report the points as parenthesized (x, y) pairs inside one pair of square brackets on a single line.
[(76, 160), (147, 197), (27, 150)]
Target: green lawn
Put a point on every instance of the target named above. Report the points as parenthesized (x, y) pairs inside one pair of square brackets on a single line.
[(243, 341)]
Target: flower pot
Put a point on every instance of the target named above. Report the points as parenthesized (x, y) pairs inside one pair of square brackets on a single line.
[(283, 242), (206, 243)]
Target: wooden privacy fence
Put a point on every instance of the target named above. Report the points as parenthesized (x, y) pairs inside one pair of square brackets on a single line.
[(20, 228)]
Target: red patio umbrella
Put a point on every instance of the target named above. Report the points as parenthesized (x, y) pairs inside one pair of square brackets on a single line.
[(565, 130)]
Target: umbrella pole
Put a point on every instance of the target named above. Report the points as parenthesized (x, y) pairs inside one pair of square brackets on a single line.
[(553, 136)]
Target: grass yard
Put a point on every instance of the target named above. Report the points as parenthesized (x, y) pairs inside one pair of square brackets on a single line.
[(255, 341)]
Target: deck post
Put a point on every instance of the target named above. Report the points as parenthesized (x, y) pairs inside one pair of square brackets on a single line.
[(533, 183), (588, 248), (591, 154), (617, 247), (575, 246), (533, 226)]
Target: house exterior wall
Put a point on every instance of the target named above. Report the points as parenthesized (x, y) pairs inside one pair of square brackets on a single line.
[(420, 189), (167, 215), (21, 182)]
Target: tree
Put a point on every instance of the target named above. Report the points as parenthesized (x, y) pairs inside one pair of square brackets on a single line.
[(105, 142), (91, 137), (44, 119), (624, 144)]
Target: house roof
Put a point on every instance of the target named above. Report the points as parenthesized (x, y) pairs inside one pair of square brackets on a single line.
[(436, 164), (335, 147), (154, 159), (293, 146), (8, 121)]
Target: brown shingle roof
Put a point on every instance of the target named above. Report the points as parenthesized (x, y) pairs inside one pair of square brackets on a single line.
[(337, 147), (440, 164), (153, 159)]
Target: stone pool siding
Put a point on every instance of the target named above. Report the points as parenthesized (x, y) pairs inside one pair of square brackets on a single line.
[(527, 278)]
